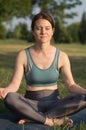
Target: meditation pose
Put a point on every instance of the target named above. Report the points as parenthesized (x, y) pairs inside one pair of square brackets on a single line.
[(42, 63)]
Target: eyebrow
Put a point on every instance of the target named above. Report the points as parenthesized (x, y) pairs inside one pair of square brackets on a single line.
[(40, 26)]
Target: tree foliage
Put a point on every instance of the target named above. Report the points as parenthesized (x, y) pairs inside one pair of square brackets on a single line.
[(18, 8), (61, 34), (21, 31), (26, 8), (2, 31), (73, 31), (58, 8), (82, 31)]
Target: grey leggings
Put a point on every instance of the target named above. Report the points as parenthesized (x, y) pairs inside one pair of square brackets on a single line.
[(38, 105)]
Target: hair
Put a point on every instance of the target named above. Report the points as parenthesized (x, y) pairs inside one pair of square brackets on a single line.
[(42, 15)]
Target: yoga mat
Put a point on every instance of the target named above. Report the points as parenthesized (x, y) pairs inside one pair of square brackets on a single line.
[(8, 121)]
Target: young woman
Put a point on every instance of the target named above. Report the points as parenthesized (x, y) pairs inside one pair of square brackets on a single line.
[(41, 64)]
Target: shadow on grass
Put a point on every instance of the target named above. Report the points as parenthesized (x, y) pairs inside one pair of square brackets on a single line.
[(7, 61), (78, 66)]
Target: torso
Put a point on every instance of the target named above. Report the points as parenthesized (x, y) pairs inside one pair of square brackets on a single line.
[(40, 59)]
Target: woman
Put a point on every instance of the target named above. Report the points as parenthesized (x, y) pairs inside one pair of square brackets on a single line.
[(41, 64)]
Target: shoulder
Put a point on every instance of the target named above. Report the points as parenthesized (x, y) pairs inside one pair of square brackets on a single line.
[(63, 55), (21, 53), (21, 57), (63, 59)]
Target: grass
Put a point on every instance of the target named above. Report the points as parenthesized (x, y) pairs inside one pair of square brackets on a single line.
[(8, 52)]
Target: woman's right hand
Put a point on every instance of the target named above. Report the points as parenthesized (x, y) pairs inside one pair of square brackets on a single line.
[(3, 93)]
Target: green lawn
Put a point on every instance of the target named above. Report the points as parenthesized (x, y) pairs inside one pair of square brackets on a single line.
[(8, 52)]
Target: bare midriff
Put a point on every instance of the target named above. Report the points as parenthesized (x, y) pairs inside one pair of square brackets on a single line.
[(31, 88)]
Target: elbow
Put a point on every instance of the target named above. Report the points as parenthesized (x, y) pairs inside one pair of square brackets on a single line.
[(71, 88)]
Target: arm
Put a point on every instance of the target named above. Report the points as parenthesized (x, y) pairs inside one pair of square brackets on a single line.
[(67, 75), (17, 76)]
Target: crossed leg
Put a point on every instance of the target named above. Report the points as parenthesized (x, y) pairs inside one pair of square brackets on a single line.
[(62, 108)]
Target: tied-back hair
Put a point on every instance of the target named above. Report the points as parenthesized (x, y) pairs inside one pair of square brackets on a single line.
[(42, 15)]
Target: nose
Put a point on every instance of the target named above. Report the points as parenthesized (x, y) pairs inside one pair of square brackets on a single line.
[(42, 30)]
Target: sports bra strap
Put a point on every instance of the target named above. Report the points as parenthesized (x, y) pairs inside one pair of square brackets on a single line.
[(56, 58), (29, 61)]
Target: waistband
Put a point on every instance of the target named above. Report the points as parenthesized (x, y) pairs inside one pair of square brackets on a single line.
[(42, 94)]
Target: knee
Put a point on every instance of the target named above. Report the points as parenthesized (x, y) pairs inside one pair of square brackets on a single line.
[(10, 98)]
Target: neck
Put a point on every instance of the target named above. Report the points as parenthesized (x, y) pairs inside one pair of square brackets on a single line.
[(42, 47)]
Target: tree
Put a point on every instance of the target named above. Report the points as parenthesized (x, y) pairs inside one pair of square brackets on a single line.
[(82, 30), (24, 32), (73, 31), (58, 8), (18, 8), (17, 32), (21, 31), (58, 29), (61, 35), (2, 31), (24, 8)]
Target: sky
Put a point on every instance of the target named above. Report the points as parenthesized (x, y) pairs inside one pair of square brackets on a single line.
[(79, 9)]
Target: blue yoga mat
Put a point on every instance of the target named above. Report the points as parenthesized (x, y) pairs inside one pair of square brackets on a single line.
[(9, 122)]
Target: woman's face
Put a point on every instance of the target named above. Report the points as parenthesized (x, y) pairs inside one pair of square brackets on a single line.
[(43, 31)]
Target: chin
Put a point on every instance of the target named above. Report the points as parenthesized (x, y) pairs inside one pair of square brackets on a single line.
[(44, 41)]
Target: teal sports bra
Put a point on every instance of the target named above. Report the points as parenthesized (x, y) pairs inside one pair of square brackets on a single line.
[(41, 77)]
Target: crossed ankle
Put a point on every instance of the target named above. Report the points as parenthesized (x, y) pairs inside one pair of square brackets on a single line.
[(59, 122), (48, 122)]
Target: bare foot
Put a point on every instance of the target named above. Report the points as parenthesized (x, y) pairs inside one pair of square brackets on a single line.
[(69, 122), (22, 121), (59, 122), (65, 121)]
